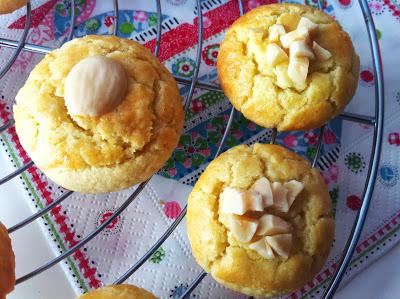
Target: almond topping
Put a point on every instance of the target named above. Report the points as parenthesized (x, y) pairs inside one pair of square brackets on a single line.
[(272, 225), (281, 244)]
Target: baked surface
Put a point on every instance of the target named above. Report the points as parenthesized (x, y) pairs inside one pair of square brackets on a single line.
[(8, 6), (7, 263), (233, 264), (265, 94), (123, 291), (107, 153)]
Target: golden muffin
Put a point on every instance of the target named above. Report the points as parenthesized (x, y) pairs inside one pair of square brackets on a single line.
[(260, 220), (123, 291), (7, 263), (8, 6), (99, 114), (288, 66)]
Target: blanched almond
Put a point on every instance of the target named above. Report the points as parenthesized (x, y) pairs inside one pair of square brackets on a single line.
[(272, 225), (243, 228), (233, 201), (275, 32), (254, 201), (298, 69), (262, 248), (306, 27), (294, 188), (263, 186), (281, 244), (288, 38), (280, 197), (275, 55), (300, 48), (321, 53)]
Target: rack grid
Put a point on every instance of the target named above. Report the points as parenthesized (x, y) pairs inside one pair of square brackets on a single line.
[(376, 121)]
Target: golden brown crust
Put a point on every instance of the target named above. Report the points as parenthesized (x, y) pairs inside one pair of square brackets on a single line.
[(8, 6), (123, 291), (7, 263), (232, 263), (264, 94), (110, 152)]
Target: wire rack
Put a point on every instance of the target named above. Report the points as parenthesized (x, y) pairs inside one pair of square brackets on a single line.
[(376, 121)]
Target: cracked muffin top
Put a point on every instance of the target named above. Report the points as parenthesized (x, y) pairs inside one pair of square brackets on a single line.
[(269, 92), (299, 236), (99, 114), (122, 291)]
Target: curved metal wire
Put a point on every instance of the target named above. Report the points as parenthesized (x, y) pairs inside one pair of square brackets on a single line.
[(274, 133), (40, 213), (116, 18), (319, 146), (159, 28), (193, 285), (7, 125), (72, 27), (21, 42), (15, 173), (85, 240), (198, 55), (375, 153)]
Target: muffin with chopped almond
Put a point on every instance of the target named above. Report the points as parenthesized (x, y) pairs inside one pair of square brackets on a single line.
[(122, 291), (288, 66), (7, 263), (263, 208)]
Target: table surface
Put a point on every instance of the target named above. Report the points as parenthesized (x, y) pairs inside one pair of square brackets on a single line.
[(379, 280)]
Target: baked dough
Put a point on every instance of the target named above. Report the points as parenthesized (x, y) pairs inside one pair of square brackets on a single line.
[(265, 94), (123, 291), (233, 263), (7, 263), (8, 6), (110, 152)]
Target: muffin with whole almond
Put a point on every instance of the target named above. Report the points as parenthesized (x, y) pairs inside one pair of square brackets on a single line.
[(288, 66), (99, 114), (7, 263), (260, 220)]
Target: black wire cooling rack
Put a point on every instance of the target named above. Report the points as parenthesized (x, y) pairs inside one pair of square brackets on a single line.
[(376, 121)]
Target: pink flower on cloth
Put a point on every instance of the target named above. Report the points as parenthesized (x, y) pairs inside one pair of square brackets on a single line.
[(331, 176), (310, 138), (172, 209), (140, 17), (290, 140), (253, 4)]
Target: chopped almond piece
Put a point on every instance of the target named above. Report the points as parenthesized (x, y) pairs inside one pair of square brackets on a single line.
[(243, 228), (280, 197), (272, 225), (233, 201), (263, 186), (298, 69), (281, 244), (262, 248), (321, 53), (306, 27), (256, 33), (275, 32), (275, 54), (288, 38), (236, 201), (294, 188), (300, 48)]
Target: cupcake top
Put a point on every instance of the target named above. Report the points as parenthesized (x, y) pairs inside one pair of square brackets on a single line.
[(7, 263), (261, 208), (288, 66), (8, 6), (123, 291), (99, 114)]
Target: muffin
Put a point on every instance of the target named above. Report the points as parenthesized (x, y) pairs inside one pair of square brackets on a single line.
[(123, 291), (8, 6), (288, 66), (260, 220), (99, 114), (7, 263)]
